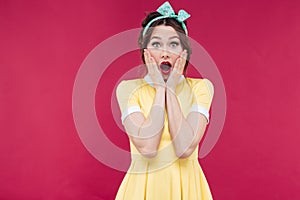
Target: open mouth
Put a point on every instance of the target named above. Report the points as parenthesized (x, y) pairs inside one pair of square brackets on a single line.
[(165, 67)]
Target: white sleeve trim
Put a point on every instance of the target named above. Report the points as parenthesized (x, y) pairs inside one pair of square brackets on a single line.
[(149, 81), (200, 109), (129, 111)]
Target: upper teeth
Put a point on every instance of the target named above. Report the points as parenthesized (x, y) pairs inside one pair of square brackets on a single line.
[(166, 63)]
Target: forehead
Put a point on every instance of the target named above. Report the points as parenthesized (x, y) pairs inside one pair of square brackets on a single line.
[(164, 31)]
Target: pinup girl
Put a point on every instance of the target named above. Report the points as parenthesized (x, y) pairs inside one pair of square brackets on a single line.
[(165, 115)]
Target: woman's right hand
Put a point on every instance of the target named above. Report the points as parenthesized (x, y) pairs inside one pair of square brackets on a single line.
[(153, 71)]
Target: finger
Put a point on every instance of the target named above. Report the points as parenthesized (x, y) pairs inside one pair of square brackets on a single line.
[(145, 56), (147, 61), (153, 63), (148, 56), (183, 57), (176, 70), (152, 68), (179, 65), (183, 54)]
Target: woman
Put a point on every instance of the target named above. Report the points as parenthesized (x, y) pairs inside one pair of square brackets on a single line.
[(165, 115)]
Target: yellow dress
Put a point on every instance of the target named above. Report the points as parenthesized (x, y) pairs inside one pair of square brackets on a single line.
[(164, 177)]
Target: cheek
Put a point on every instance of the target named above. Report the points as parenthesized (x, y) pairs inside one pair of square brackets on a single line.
[(154, 54), (177, 51)]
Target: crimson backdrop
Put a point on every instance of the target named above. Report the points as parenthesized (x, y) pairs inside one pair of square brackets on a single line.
[(255, 45)]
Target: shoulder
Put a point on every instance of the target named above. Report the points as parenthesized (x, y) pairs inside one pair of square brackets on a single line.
[(201, 84), (196, 82), (129, 85)]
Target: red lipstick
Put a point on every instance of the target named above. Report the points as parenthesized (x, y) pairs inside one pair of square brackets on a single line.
[(165, 67)]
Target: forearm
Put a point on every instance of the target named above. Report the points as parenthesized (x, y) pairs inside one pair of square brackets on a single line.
[(154, 123), (145, 133), (182, 133)]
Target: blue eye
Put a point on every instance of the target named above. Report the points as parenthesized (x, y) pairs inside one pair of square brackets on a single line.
[(155, 44), (174, 44)]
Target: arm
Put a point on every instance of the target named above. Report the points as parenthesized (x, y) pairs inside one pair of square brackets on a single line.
[(145, 133), (187, 132)]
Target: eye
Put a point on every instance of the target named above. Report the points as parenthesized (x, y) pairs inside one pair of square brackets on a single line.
[(155, 44), (174, 44)]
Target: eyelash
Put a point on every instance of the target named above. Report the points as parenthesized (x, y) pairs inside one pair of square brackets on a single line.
[(173, 44), (155, 43)]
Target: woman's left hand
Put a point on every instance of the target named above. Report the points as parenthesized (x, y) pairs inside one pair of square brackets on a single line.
[(177, 71)]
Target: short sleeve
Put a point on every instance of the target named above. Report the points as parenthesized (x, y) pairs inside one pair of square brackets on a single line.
[(127, 96), (203, 92)]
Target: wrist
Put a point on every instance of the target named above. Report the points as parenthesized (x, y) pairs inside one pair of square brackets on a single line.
[(171, 84), (160, 96), (159, 87), (171, 88)]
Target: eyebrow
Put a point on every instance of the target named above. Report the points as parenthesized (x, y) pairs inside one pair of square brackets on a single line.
[(159, 38)]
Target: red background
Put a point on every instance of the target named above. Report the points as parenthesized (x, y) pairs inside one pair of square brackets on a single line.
[(255, 45)]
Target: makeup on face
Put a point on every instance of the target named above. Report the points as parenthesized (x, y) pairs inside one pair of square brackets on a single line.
[(165, 47)]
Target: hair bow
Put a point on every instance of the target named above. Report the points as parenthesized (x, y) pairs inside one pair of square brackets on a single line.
[(167, 11)]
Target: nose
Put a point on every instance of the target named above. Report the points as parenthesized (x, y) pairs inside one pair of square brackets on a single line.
[(165, 53)]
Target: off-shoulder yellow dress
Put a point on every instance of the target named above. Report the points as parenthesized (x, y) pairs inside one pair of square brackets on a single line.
[(164, 177)]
